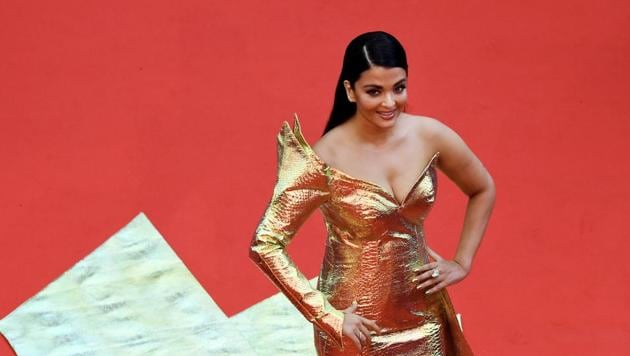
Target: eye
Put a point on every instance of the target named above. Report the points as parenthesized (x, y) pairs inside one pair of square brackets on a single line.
[(401, 88), (373, 92)]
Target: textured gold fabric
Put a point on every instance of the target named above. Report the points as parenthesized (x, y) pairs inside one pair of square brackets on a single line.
[(374, 241)]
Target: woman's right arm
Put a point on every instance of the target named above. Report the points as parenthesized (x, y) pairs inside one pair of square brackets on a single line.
[(301, 187)]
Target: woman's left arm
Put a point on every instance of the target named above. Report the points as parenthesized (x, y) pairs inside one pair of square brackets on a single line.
[(461, 165)]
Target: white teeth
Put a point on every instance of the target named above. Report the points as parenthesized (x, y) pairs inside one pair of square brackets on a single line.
[(387, 114)]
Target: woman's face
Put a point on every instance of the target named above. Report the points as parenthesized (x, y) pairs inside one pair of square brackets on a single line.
[(380, 94)]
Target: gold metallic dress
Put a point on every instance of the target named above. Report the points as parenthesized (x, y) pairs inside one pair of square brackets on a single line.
[(374, 241)]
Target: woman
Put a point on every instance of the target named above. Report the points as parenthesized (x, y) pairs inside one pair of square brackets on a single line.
[(373, 176)]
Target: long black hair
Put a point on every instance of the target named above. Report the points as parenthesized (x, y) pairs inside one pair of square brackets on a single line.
[(376, 48)]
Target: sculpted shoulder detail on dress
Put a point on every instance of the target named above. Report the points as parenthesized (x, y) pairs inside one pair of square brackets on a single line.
[(295, 156)]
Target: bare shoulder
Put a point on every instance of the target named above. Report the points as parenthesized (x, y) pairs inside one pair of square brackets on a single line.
[(427, 128), (324, 146), (456, 160), (442, 137)]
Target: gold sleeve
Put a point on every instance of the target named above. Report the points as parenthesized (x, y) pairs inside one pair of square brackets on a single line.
[(301, 187)]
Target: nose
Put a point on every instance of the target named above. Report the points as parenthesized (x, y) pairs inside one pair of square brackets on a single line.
[(389, 100)]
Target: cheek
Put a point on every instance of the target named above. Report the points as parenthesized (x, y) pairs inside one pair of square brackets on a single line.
[(402, 99), (366, 102)]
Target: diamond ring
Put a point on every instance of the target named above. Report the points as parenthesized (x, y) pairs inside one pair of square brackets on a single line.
[(436, 273)]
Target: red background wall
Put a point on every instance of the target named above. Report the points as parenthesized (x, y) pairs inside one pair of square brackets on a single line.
[(171, 108)]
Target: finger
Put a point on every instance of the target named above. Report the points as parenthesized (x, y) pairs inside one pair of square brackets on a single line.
[(371, 324), (425, 267), (430, 282), (366, 333), (352, 307), (434, 254), (437, 287), (355, 340), (360, 337), (424, 276)]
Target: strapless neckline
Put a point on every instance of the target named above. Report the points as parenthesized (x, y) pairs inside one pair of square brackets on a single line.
[(297, 132)]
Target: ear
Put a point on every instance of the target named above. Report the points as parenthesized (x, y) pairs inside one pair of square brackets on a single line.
[(349, 91)]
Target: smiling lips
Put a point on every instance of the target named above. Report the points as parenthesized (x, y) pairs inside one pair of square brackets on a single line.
[(387, 115)]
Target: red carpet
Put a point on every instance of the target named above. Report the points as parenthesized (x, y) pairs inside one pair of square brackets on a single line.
[(111, 108)]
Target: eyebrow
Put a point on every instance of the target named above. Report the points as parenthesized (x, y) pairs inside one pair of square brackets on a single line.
[(380, 87)]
